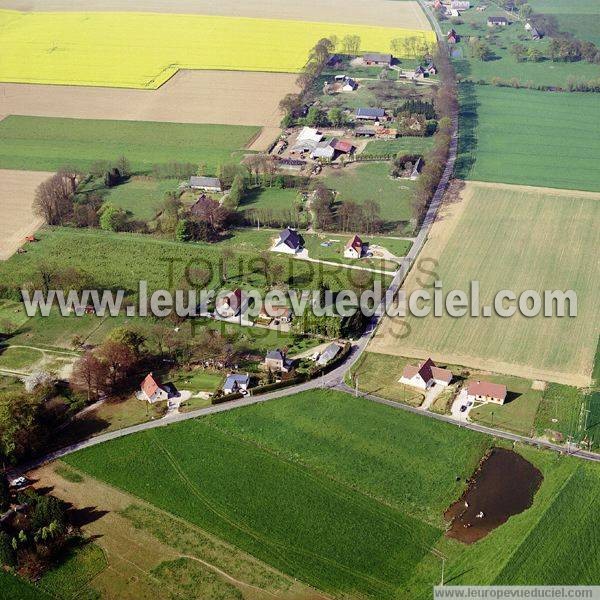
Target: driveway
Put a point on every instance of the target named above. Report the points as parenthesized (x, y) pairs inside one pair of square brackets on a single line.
[(461, 400), (431, 394)]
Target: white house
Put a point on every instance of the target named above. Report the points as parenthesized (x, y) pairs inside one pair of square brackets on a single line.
[(354, 248), (460, 4), (236, 382), (289, 241), (232, 304), (497, 21), (151, 391), (484, 391), (425, 375), (329, 354)]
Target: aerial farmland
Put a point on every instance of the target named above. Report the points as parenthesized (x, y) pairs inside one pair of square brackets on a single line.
[(202, 393)]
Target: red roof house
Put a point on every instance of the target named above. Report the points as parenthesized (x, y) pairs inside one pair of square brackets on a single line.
[(151, 391)]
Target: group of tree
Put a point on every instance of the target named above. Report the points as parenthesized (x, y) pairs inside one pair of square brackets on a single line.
[(523, 53), (346, 216), (479, 49), (205, 222), (410, 46)]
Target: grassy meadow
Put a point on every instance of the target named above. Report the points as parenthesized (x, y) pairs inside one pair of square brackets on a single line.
[(388, 472), (509, 239), (529, 137), (92, 45), (49, 143), (372, 181), (408, 145), (581, 18), (141, 196)]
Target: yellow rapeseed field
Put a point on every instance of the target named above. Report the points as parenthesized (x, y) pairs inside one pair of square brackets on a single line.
[(143, 50)]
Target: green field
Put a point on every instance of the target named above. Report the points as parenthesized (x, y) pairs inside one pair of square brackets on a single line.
[(19, 359), (372, 181), (13, 587), (409, 145), (47, 143), (141, 196), (529, 137), (581, 17), (504, 65), (513, 239), (275, 481)]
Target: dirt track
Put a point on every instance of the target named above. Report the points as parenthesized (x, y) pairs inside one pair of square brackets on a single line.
[(16, 198), (220, 97), (376, 12)]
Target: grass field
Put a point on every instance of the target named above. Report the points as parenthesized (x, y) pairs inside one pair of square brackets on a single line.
[(372, 181), (46, 143), (140, 196), (88, 48), (485, 237), (529, 137), (581, 18), (500, 41), (403, 144), (368, 457), (12, 587)]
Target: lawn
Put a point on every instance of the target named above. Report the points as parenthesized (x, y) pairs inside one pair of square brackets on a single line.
[(217, 481), (503, 64), (19, 359), (529, 137), (141, 196), (517, 239), (562, 410), (49, 143), (271, 199), (12, 587), (408, 145), (12, 315), (87, 48), (581, 18), (371, 468), (372, 181), (518, 414)]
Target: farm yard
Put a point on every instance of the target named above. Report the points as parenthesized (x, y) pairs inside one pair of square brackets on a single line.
[(92, 45), (45, 143), (515, 238), (239, 447), (529, 137), (17, 192), (210, 97)]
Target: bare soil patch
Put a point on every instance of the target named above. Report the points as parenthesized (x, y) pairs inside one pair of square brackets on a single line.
[(503, 486), (17, 220), (217, 97), (376, 12)]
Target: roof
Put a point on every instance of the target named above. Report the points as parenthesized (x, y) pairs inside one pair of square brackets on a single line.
[(370, 112), (276, 355), (377, 57), (441, 374), (329, 353), (325, 149), (149, 385), (355, 243), (485, 388), (309, 134), (234, 299), (236, 378), (349, 81), (341, 146), (275, 311), (196, 181), (290, 238), (364, 131), (419, 69), (497, 20), (428, 371), (418, 166), (194, 209)]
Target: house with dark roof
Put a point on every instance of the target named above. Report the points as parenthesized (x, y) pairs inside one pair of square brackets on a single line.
[(276, 361), (207, 184), (417, 169), (151, 391), (236, 383), (425, 375), (452, 37), (290, 241), (484, 391), (370, 114), (232, 304), (497, 21), (364, 132), (419, 73), (377, 58), (354, 248)]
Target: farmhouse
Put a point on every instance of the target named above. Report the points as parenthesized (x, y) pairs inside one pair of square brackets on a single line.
[(378, 59), (535, 34), (289, 241), (349, 85), (431, 69), (484, 391), (276, 361), (354, 248), (329, 354), (307, 140), (370, 114), (425, 375), (497, 21), (151, 391), (325, 149), (281, 313), (236, 382), (343, 147), (232, 304), (207, 184), (452, 37)]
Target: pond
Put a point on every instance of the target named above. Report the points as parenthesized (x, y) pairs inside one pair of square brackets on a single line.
[(503, 485)]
